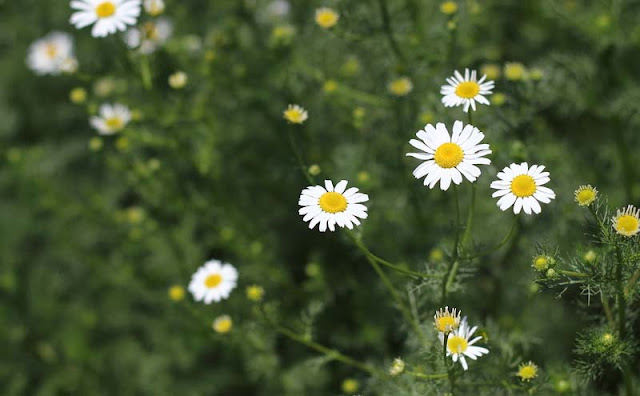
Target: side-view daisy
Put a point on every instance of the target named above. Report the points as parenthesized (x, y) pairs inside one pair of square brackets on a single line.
[(626, 222), (112, 118), (459, 345), (295, 114), (149, 36), (107, 16), (447, 321), (448, 158), (51, 54), (521, 186), (466, 90), (214, 281), (329, 205)]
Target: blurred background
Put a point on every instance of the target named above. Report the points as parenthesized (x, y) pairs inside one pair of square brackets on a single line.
[(94, 230)]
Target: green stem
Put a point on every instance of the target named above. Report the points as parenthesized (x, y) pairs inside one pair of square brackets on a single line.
[(386, 26), (453, 264), (504, 241), (628, 290), (621, 299), (145, 71), (470, 116), (426, 376), (573, 273), (468, 225), (607, 311), (296, 152), (597, 218)]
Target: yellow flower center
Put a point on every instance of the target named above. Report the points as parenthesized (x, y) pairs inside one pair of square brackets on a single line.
[(449, 7), (541, 263), (527, 372), (627, 224), (293, 115), (213, 280), (333, 202), (114, 123), (457, 344), (223, 325), (523, 186), (585, 197), (176, 293), (51, 50), (446, 323), (448, 155), (467, 89), (326, 18), (105, 9)]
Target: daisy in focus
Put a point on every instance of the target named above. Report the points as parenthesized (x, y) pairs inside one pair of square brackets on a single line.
[(586, 195), (523, 188), (106, 16), (327, 206), (214, 281), (112, 118), (447, 321), (448, 158), (626, 222), (148, 37), (52, 54), (527, 371), (466, 90), (459, 346), (295, 114)]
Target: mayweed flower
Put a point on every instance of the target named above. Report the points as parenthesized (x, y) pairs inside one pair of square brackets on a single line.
[(51, 54), (295, 114), (449, 7), (447, 321), (222, 324), (586, 195), (491, 70), (521, 186), (213, 281), (154, 7), (329, 205), (255, 293), (178, 80), (542, 262), (514, 71), (459, 345), (527, 371), (350, 386), (466, 90), (327, 17), (112, 119), (282, 34), (176, 293), (448, 158), (400, 86), (626, 222), (149, 36), (107, 17), (397, 367), (330, 86), (590, 256), (78, 95)]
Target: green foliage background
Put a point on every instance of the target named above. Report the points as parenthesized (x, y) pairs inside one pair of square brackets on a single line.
[(90, 241)]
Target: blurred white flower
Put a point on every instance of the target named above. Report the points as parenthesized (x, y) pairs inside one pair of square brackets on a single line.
[(466, 90), (112, 118), (295, 114), (178, 80), (278, 8), (459, 345), (52, 54), (328, 206), (107, 16), (448, 158), (521, 186), (213, 281), (154, 7), (148, 37)]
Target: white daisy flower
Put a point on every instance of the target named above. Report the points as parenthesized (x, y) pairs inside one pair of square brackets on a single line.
[(148, 37), (448, 158), (466, 90), (329, 205), (522, 187), (213, 281), (51, 54), (112, 118), (459, 345), (107, 16), (154, 7)]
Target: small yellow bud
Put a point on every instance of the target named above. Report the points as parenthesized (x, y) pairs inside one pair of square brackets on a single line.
[(222, 324), (330, 86), (178, 80), (350, 386), (176, 293), (449, 7), (255, 293), (590, 256), (314, 170), (95, 144), (78, 95)]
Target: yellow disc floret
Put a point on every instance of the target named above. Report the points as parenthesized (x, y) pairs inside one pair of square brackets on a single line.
[(448, 155), (105, 9), (333, 202), (457, 344), (523, 186), (527, 371), (222, 324), (326, 17), (468, 89), (213, 280), (446, 321), (627, 221), (114, 123), (449, 7), (586, 195)]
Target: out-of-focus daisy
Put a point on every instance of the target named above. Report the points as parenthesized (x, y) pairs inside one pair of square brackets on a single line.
[(78, 95), (350, 386), (527, 371), (222, 324), (400, 86), (327, 17), (446, 321), (107, 16), (459, 346), (586, 195), (523, 188), (626, 222), (449, 7), (255, 293), (514, 71), (466, 90), (176, 293), (491, 70), (178, 80), (329, 205), (112, 118), (295, 114), (397, 367), (148, 37), (51, 54), (448, 158), (154, 7), (213, 281)]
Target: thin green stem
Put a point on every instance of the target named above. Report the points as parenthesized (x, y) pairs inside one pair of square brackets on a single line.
[(469, 223), (453, 264), (607, 311), (597, 218), (426, 376), (296, 152), (573, 273), (628, 290), (621, 299), (470, 116), (145, 72), (386, 27), (503, 242)]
